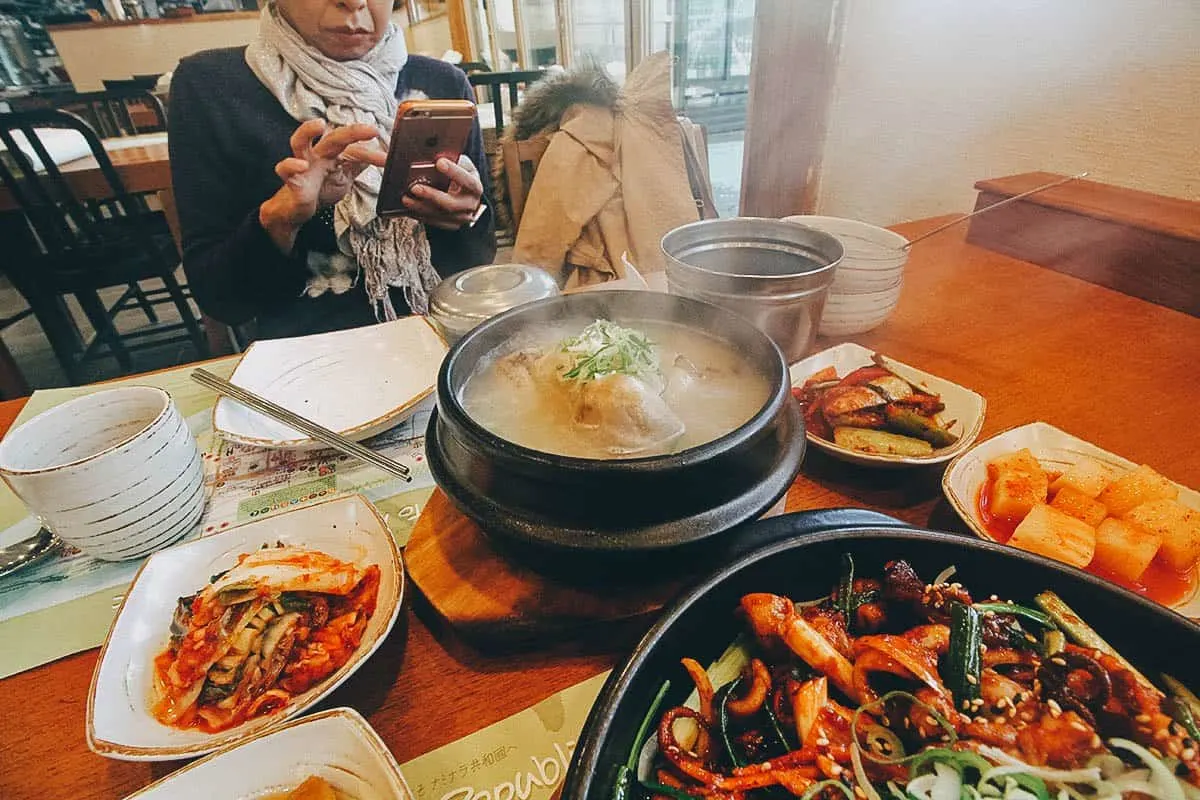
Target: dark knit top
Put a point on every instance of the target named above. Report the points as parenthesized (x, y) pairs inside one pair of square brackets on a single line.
[(227, 133)]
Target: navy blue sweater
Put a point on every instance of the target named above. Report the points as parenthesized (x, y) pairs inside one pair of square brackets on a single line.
[(227, 133)]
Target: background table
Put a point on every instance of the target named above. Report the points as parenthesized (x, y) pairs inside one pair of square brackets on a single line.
[(1037, 344), (143, 168)]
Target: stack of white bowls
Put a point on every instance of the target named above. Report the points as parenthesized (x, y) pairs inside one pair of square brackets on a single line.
[(866, 286)]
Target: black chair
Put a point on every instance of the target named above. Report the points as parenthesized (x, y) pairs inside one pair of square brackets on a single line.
[(496, 82), (12, 380), (138, 83), (74, 246), (111, 113)]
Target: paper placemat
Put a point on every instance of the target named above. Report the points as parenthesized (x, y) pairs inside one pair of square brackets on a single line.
[(524, 757), (66, 603)]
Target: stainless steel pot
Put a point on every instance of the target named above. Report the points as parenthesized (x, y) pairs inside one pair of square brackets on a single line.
[(774, 273)]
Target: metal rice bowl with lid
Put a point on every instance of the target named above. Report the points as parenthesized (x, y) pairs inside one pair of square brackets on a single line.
[(464, 300)]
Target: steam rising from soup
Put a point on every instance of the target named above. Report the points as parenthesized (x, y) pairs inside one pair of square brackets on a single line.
[(607, 391)]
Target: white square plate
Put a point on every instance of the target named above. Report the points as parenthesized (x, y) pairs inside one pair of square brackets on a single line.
[(357, 382), (1055, 450), (337, 745), (964, 406), (119, 719)]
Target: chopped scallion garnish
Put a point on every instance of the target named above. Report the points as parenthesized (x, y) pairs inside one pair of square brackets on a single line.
[(605, 348)]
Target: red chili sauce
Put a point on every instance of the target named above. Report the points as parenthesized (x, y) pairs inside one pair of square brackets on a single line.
[(1159, 582)]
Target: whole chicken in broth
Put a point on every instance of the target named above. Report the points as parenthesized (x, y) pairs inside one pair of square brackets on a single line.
[(608, 391)]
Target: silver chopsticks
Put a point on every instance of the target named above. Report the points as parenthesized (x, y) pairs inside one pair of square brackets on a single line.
[(294, 420), (985, 209)]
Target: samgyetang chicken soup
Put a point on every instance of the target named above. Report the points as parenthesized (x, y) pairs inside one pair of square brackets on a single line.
[(607, 391)]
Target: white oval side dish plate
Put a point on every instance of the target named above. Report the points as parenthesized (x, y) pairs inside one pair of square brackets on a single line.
[(120, 723), (1055, 450), (337, 745), (965, 407), (356, 382)]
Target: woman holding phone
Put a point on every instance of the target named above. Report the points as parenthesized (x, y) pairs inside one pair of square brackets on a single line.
[(277, 152)]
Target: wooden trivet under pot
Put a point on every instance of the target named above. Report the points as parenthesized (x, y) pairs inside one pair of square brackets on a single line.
[(490, 599)]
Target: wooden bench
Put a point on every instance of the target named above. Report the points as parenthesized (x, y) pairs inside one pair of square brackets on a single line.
[(1141, 244)]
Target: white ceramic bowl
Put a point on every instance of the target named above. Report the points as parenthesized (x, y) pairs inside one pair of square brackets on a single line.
[(1054, 449), (853, 282), (848, 314), (857, 301), (874, 259), (868, 247), (116, 473), (337, 745), (120, 722), (965, 407)]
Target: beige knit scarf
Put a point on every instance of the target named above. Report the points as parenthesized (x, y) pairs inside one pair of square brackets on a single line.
[(389, 252)]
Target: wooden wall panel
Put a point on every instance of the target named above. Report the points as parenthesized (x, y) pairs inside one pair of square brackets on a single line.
[(791, 87), (460, 36)]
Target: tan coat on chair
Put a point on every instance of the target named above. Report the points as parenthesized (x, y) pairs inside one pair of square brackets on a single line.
[(612, 181)]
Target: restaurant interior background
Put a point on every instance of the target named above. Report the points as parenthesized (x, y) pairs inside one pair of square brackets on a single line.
[(879, 111), (899, 113)]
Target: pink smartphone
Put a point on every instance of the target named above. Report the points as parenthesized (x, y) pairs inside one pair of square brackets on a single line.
[(425, 131)]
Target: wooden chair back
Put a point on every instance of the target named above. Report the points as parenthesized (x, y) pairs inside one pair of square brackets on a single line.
[(111, 113), (695, 153), (498, 84), (119, 112), (521, 161)]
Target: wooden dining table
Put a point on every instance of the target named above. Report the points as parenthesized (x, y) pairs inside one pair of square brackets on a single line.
[(144, 168), (1037, 344)]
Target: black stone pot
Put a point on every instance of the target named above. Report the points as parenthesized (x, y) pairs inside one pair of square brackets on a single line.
[(588, 515), (798, 555)]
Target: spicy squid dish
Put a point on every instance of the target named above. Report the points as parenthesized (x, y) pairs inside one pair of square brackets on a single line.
[(276, 624), (891, 687)]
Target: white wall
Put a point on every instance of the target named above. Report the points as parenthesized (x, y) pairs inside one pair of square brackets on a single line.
[(91, 54), (932, 95), (428, 38)]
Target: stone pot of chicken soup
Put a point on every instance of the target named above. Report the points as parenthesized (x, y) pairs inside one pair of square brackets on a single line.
[(589, 431)]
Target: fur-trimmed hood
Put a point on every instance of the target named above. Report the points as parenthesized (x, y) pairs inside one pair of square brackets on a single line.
[(545, 102)]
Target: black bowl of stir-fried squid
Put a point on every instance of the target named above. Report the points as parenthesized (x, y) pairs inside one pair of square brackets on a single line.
[(598, 428), (852, 658)]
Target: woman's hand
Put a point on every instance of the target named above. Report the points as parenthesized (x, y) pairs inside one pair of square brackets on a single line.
[(451, 209), (320, 172)]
